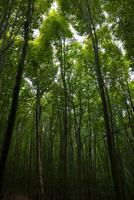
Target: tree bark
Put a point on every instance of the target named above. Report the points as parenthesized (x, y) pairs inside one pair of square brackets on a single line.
[(63, 148), (79, 148), (38, 142), (115, 161), (15, 95)]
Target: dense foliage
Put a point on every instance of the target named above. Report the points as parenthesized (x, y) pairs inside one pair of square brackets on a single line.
[(67, 93)]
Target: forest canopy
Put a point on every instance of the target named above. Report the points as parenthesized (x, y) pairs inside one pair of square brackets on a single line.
[(66, 100)]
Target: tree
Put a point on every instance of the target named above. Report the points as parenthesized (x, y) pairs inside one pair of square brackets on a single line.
[(15, 95), (72, 130)]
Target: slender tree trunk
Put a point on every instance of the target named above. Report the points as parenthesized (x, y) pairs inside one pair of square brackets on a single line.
[(129, 95), (50, 168), (38, 143), (115, 161), (71, 161), (128, 107), (79, 150), (63, 155), (15, 95), (90, 149)]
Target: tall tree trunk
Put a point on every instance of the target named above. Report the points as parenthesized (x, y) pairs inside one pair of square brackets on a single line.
[(15, 95), (79, 149), (129, 95), (71, 157), (90, 150), (128, 106), (63, 148), (115, 161), (38, 143)]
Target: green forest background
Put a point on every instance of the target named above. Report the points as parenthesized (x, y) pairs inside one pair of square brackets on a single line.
[(67, 100)]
